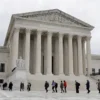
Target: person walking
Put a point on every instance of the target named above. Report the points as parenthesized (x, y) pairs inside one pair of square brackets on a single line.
[(77, 85), (98, 85), (53, 86), (4, 85), (46, 86), (88, 86), (61, 87), (21, 86), (65, 85), (28, 86), (56, 86), (10, 86)]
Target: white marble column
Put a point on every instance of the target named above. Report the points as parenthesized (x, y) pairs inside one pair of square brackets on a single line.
[(80, 55), (88, 56), (84, 56), (38, 52), (75, 53), (65, 56), (15, 47), (61, 54), (27, 50), (49, 53), (70, 50)]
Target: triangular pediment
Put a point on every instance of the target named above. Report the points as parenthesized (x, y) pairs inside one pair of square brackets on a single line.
[(55, 16)]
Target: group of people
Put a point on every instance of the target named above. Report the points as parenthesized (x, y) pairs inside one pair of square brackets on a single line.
[(10, 86), (63, 86), (77, 84), (54, 84), (22, 86)]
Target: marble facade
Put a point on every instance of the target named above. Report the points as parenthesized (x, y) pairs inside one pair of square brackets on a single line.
[(54, 45)]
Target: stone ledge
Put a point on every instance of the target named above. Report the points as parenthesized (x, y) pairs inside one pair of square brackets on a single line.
[(4, 49)]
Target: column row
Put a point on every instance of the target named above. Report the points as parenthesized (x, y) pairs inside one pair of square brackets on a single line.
[(81, 52)]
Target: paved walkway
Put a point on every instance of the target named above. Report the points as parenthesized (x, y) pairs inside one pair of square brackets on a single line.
[(41, 95)]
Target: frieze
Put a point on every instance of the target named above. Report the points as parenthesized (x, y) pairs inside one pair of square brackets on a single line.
[(54, 17)]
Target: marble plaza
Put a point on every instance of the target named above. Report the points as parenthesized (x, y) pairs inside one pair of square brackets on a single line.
[(38, 95)]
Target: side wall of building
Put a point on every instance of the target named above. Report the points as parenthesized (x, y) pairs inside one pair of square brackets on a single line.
[(4, 62), (95, 62)]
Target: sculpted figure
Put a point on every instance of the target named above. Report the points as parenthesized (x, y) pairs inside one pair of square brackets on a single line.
[(20, 63)]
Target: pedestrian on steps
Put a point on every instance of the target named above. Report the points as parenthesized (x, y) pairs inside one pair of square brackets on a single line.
[(77, 85), (61, 87), (56, 86), (88, 86), (65, 86), (98, 85), (10, 86), (53, 86), (46, 86)]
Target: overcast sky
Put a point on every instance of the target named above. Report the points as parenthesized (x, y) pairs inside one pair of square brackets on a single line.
[(86, 10)]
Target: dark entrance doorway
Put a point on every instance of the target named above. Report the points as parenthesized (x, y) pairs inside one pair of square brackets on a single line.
[(52, 65), (42, 64)]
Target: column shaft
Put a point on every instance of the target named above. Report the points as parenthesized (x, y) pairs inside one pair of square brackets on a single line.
[(27, 50), (49, 53), (60, 53), (38, 53), (84, 57), (75, 53), (88, 56), (70, 54), (80, 55)]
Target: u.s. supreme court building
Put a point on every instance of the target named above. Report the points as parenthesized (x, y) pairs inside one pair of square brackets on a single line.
[(53, 45)]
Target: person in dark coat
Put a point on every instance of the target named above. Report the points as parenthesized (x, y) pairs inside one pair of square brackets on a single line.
[(53, 86), (77, 85), (4, 85), (88, 86), (21, 86), (56, 86), (10, 86), (61, 87), (28, 86), (46, 86), (65, 85), (98, 85)]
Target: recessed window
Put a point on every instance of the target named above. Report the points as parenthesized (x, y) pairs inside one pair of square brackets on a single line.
[(99, 71), (2, 67), (1, 80), (93, 70)]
